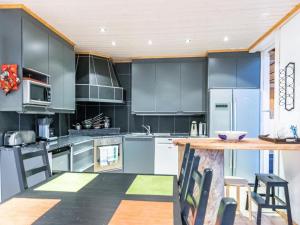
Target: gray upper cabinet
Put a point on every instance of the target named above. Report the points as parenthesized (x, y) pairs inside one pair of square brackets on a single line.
[(248, 71), (234, 70), (56, 70), (193, 86), (221, 72), (143, 87), (167, 87), (35, 46), (69, 78)]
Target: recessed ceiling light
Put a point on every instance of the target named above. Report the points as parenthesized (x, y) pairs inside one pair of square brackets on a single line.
[(187, 41), (149, 42), (102, 29), (226, 39), (113, 43), (265, 14)]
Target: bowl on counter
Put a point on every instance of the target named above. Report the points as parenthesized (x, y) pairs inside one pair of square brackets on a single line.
[(231, 135)]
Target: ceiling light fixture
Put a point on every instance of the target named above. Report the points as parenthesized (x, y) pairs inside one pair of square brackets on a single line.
[(187, 41), (149, 42), (102, 29), (226, 39), (265, 14), (113, 43)]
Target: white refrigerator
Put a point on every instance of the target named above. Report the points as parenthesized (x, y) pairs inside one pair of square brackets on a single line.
[(236, 109)]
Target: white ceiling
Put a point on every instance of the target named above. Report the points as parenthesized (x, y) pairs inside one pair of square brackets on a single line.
[(168, 23)]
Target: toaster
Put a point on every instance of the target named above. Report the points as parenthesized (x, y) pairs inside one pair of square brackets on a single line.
[(15, 138)]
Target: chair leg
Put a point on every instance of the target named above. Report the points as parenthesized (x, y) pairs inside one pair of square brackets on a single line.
[(249, 203), (238, 197), (227, 191), (273, 198), (258, 219), (288, 206)]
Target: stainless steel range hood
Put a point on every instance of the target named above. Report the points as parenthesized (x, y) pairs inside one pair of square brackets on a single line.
[(96, 80)]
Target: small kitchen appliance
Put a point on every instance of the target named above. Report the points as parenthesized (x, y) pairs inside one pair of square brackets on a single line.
[(202, 129), (45, 130), (16, 138), (194, 129)]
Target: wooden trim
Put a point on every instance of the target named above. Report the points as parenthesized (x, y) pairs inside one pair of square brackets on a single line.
[(99, 54), (168, 56), (37, 17), (277, 25), (228, 50)]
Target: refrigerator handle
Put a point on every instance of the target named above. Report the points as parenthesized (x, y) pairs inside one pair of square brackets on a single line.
[(230, 160), (234, 114), (234, 159), (231, 116)]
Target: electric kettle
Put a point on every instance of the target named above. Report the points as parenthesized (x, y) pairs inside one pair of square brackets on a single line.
[(194, 129)]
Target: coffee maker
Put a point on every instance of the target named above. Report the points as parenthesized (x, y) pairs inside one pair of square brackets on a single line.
[(45, 132)]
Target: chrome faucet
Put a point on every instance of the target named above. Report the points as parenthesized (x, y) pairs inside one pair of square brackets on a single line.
[(147, 128)]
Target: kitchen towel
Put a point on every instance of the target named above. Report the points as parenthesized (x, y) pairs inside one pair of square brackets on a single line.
[(151, 185)]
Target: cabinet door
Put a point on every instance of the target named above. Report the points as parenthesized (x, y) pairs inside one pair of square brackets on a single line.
[(56, 71), (248, 71), (143, 87), (69, 78), (221, 72), (193, 86), (166, 157), (35, 46), (139, 155), (167, 87)]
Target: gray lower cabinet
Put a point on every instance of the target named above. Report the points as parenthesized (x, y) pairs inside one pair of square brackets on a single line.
[(193, 84), (138, 155), (167, 87), (143, 87), (221, 72), (56, 70), (35, 46)]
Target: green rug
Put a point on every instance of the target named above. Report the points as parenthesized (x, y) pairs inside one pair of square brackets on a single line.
[(68, 182), (151, 185)]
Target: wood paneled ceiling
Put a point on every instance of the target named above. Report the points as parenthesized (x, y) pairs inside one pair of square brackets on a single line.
[(167, 23)]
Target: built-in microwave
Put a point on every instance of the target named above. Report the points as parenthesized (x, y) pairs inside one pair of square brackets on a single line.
[(36, 93)]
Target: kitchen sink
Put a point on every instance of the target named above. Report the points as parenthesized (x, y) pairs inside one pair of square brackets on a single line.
[(153, 134)]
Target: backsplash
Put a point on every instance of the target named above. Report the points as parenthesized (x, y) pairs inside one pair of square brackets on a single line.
[(121, 113), (15, 121)]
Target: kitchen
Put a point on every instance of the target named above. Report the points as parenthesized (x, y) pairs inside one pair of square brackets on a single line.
[(121, 112)]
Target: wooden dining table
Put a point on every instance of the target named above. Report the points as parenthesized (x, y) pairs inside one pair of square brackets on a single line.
[(103, 199)]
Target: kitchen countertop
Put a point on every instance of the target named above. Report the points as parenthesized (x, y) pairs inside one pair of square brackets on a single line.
[(245, 144), (73, 139)]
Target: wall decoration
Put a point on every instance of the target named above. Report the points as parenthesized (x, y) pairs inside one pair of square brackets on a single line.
[(9, 80), (287, 87)]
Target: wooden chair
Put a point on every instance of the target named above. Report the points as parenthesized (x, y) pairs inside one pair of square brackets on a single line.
[(191, 165), (185, 161), (226, 212), (238, 182), (26, 155), (196, 200)]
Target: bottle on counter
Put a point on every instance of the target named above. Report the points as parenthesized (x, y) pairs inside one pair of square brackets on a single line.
[(194, 129)]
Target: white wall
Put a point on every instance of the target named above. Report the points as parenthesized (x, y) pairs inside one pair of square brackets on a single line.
[(287, 43)]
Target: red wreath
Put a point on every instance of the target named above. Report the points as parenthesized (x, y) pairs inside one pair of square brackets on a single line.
[(9, 80)]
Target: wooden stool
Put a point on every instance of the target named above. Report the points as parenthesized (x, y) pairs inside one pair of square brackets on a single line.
[(238, 182), (271, 182)]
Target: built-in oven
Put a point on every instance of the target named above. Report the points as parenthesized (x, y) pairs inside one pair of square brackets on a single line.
[(36, 92), (60, 159)]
